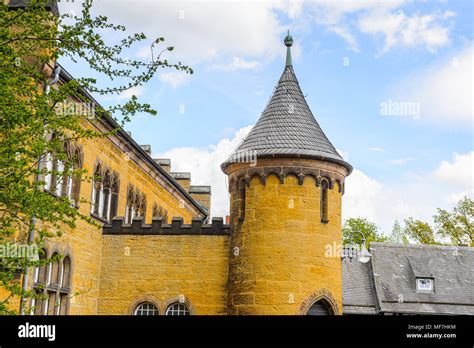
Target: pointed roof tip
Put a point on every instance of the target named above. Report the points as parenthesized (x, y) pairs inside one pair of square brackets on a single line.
[(287, 127), (288, 43)]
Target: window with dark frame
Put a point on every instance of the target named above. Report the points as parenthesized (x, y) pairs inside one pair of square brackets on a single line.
[(52, 286), (324, 201), (146, 308), (177, 308)]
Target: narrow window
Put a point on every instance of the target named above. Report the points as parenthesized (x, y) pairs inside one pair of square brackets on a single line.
[(76, 177), (324, 201), (129, 211), (155, 212), (58, 179), (97, 191), (63, 294), (105, 206), (242, 201), (48, 167), (114, 198)]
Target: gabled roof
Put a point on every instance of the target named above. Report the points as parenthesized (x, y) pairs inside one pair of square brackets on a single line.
[(287, 127), (393, 271)]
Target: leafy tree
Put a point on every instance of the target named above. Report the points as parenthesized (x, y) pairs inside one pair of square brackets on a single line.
[(458, 226), (31, 39), (420, 231), (352, 227), (398, 234)]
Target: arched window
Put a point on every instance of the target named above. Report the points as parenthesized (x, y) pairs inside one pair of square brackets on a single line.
[(65, 287), (75, 177), (47, 169), (66, 273), (146, 308), (39, 277), (324, 201), (177, 308), (40, 270), (52, 286), (55, 270), (155, 211), (114, 197), (129, 210), (136, 203), (319, 308), (142, 205), (106, 184), (97, 197)]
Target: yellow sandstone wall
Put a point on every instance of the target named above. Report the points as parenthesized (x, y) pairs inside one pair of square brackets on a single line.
[(84, 244), (280, 265), (160, 268)]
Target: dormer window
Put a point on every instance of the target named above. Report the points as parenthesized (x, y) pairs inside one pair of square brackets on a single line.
[(425, 284)]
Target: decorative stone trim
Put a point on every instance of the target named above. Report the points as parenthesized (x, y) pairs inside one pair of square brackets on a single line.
[(282, 172), (157, 227), (321, 294)]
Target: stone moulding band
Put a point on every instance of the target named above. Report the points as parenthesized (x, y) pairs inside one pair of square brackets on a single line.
[(157, 227), (300, 172)]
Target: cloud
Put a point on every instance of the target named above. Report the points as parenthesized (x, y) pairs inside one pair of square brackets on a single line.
[(398, 29), (415, 195), (174, 78), (444, 89), (204, 165), (400, 161), (202, 32), (376, 149), (361, 196), (346, 35), (127, 94), (458, 172), (236, 64), (382, 19)]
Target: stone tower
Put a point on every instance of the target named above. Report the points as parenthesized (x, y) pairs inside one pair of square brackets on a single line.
[(286, 182)]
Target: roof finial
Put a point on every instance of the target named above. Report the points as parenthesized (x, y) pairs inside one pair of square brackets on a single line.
[(288, 43)]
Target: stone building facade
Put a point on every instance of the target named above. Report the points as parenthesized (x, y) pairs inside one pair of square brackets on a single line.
[(158, 252)]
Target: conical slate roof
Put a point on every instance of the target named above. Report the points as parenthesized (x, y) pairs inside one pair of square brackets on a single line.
[(287, 127)]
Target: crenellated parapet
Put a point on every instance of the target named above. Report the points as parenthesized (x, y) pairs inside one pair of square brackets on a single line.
[(157, 227)]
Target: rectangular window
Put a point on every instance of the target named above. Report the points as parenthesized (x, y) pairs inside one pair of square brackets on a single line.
[(425, 284)]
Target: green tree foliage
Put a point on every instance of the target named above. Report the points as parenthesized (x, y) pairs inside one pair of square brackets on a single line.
[(456, 226), (353, 227), (398, 235), (31, 38), (420, 231)]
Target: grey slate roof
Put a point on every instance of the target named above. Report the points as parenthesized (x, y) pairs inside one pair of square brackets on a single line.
[(395, 268), (358, 290), (287, 127)]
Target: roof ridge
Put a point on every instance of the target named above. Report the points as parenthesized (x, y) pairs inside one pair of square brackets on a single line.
[(421, 246)]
